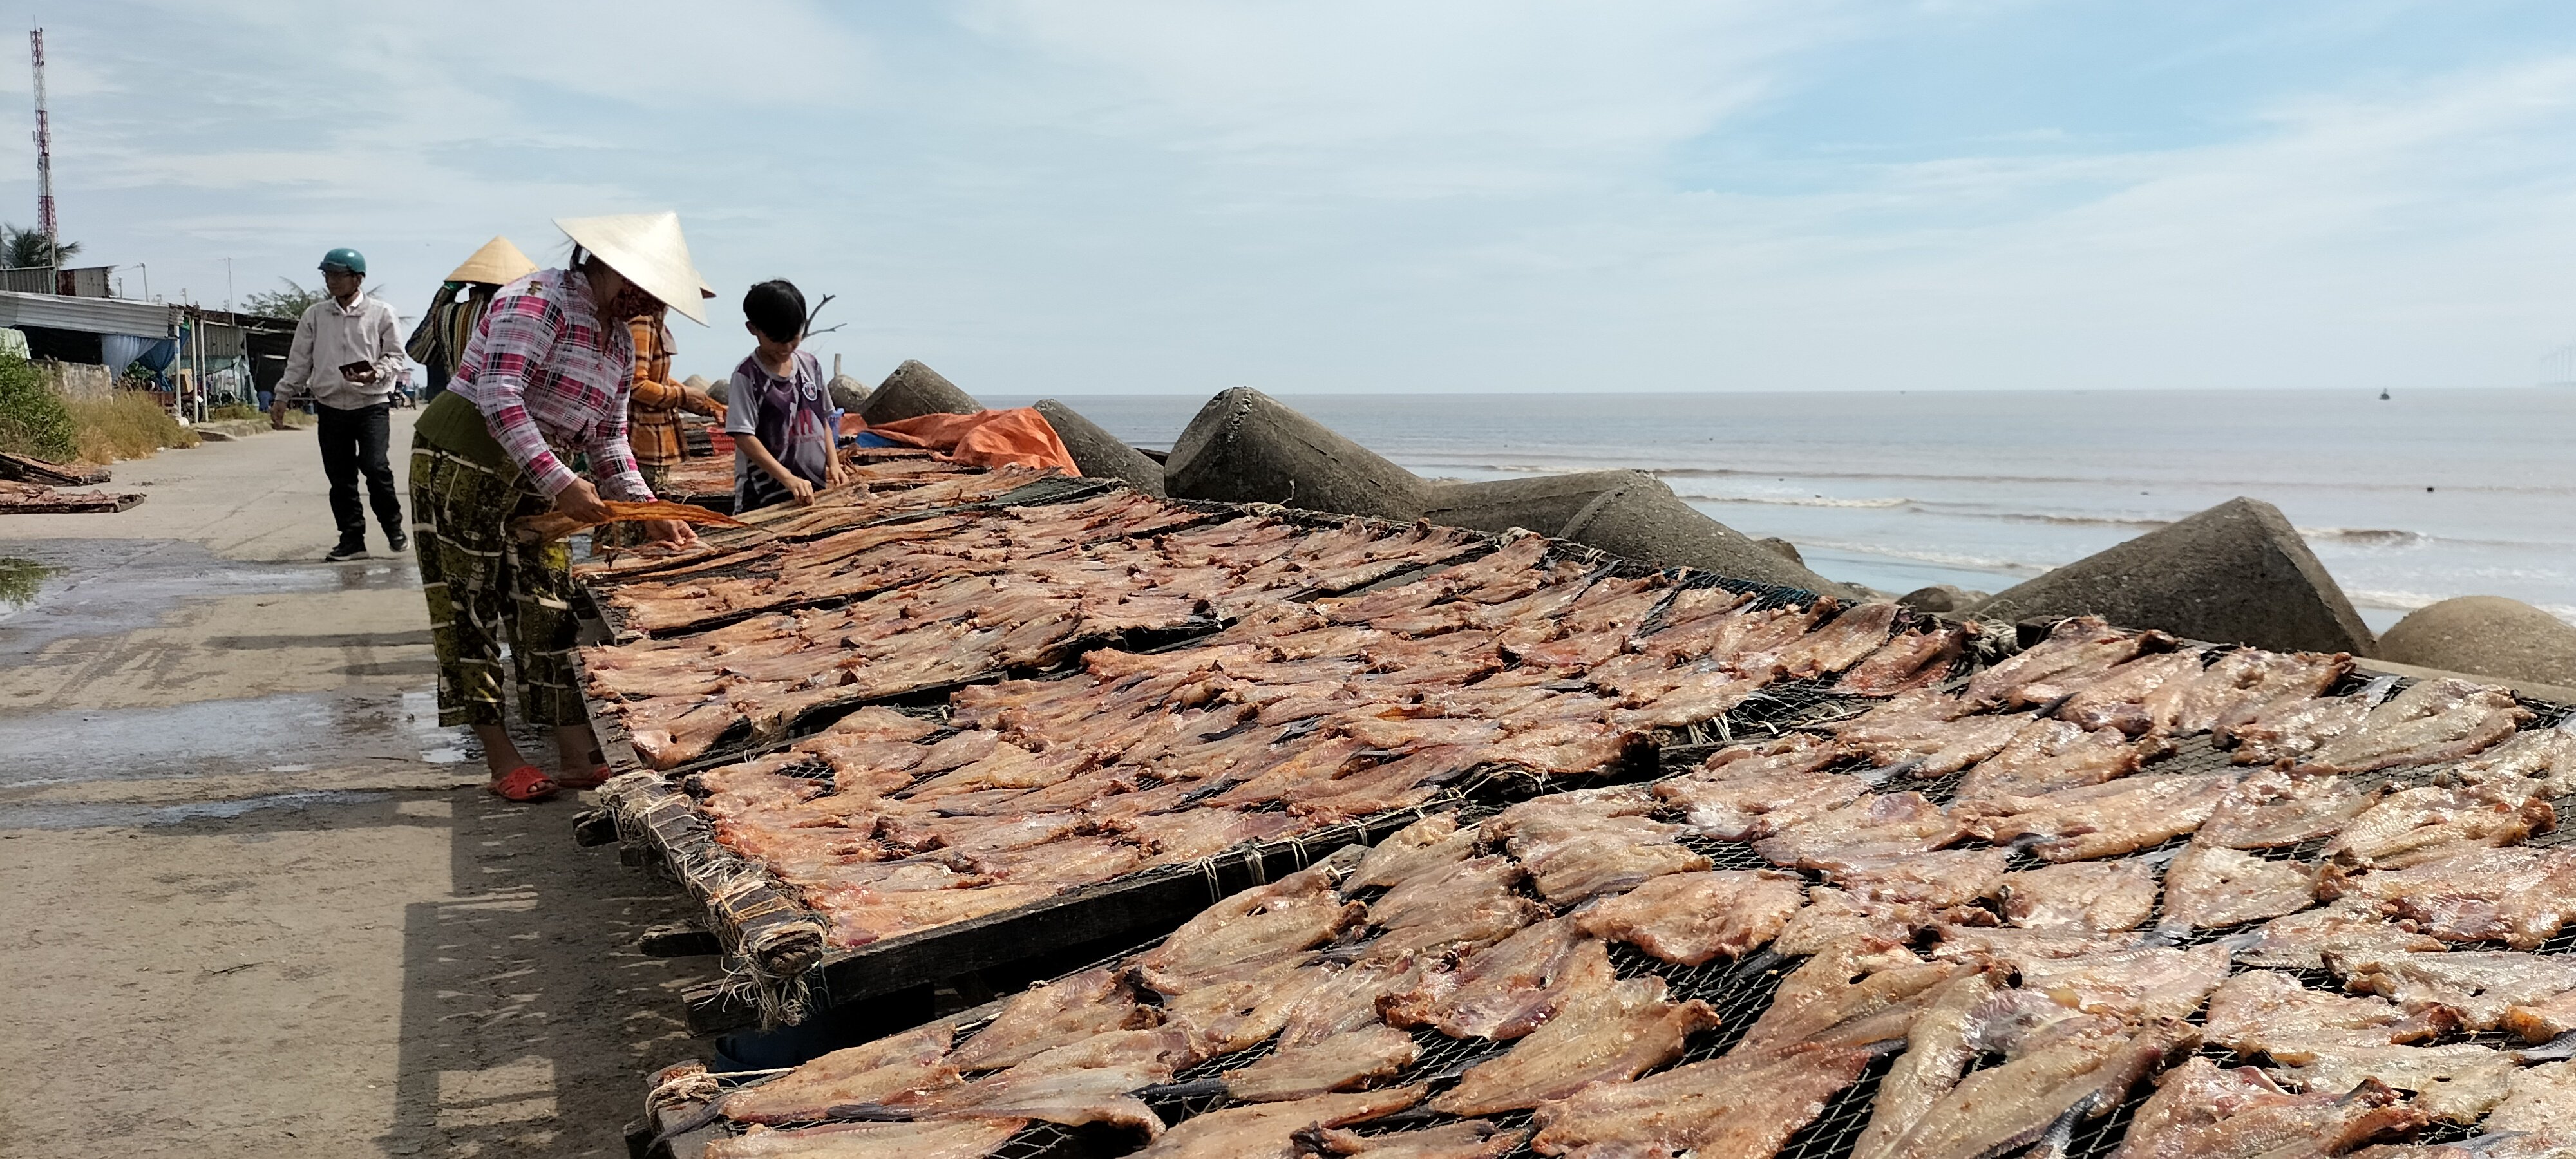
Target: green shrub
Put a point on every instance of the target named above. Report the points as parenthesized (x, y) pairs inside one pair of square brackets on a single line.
[(234, 410), (33, 421)]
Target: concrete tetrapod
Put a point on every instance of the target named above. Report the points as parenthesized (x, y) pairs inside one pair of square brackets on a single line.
[(1246, 447), (2237, 573), (1626, 513), (848, 393), (1100, 454), (914, 390), (2486, 636)]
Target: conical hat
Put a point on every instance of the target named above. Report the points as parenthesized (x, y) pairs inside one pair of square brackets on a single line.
[(498, 263), (648, 250)]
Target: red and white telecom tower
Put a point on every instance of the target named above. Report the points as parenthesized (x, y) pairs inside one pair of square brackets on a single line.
[(44, 152)]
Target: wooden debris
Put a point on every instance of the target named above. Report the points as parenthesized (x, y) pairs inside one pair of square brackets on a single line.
[(32, 499), (23, 469)]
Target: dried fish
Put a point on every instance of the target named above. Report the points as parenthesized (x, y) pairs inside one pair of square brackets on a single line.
[(1612, 1034), (871, 1072), (1695, 918), (1349, 1059), (2094, 896)]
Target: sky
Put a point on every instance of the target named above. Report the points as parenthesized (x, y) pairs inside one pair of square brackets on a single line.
[(1157, 196)]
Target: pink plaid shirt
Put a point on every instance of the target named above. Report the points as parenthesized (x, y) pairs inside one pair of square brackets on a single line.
[(547, 375)]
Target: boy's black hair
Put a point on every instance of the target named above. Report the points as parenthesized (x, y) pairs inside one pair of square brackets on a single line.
[(777, 309)]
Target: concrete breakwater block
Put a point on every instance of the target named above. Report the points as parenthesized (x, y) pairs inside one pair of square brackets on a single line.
[(1783, 548), (914, 390), (2236, 573), (2486, 636), (1245, 447), (1100, 454), (1626, 513), (848, 393), (713, 390)]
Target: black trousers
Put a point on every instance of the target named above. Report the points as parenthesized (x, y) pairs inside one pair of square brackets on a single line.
[(353, 444)]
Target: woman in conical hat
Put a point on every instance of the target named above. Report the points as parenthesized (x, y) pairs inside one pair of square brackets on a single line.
[(439, 341), (545, 376)]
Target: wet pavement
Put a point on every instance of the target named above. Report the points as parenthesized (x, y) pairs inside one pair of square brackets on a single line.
[(54, 589), (110, 605), (244, 859)]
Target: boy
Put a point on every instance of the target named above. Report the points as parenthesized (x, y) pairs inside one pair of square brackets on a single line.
[(778, 409)]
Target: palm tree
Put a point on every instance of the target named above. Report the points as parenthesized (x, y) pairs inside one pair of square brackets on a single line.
[(26, 247)]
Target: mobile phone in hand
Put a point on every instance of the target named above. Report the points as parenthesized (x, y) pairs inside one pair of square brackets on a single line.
[(351, 369)]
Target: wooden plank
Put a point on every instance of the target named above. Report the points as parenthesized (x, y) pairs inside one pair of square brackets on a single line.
[(71, 503), (32, 470)]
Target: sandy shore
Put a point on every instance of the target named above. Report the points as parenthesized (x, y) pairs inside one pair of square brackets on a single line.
[(257, 902)]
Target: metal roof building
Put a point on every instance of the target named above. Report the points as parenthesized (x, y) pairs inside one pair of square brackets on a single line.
[(90, 315)]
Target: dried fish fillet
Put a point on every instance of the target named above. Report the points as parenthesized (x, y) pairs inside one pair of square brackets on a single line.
[(2048, 755), (961, 1139), (2517, 895), (1939, 1045), (2299, 941), (2434, 720), (2539, 1100), (2241, 683), (2209, 887), (1051, 1015), (2102, 820), (1608, 1035), (1068, 1097), (2076, 653), (2334, 1044), (2274, 807), (1694, 918), (1855, 992), (868, 1073), (1349, 1059), (2430, 822), (2200, 1111), (1267, 923), (1471, 1139), (1743, 1105), (1504, 990), (2085, 1072), (2094, 896), (2119, 700), (2479, 990), (2148, 982), (1269, 1130), (1914, 659)]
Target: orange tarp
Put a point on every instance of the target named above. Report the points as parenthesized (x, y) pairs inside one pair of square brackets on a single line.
[(1018, 437)]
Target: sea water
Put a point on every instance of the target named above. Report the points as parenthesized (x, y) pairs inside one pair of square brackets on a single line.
[(2416, 498)]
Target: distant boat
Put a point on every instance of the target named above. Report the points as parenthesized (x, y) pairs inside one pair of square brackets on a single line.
[(2383, 395)]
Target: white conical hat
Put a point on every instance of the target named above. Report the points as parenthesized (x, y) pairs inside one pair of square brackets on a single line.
[(647, 249), (498, 263)]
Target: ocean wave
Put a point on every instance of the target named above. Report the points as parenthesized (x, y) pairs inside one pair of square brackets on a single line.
[(1796, 500), (1942, 558), (2403, 601), (2139, 522), (1473, 462), (2377, 536)]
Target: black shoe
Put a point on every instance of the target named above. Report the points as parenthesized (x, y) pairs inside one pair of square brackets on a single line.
[(398, 542), (346, 552)]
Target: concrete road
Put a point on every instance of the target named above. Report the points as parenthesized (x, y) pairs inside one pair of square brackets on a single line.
[(257, 902)]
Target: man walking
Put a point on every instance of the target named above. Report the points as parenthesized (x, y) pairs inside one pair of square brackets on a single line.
[(345, 357)]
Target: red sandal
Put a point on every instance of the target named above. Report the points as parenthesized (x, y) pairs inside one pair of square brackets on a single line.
[(524, 784), (597, 776)]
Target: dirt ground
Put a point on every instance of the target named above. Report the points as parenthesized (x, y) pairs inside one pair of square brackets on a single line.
[(256, 902)]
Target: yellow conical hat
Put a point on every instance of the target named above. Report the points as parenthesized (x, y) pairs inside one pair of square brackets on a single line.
[(648, 250), (498, 263)]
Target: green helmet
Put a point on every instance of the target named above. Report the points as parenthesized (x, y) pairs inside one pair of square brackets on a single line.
[(345, 258)]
